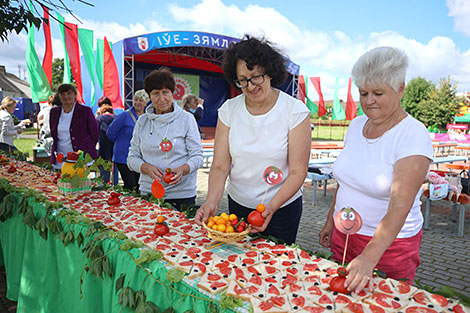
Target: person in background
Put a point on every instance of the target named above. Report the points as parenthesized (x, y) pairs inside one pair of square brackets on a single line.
[(260, 128), (8, 129), (73, 126), (120, 132), (194, 105), (104, 119), (386, 156), (166, 137)]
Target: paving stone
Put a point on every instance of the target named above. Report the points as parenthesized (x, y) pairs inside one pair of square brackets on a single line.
[(442, 252)]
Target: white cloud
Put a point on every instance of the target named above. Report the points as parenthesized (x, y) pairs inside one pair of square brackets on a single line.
[(319, 53), (460, 11), (329, 54)]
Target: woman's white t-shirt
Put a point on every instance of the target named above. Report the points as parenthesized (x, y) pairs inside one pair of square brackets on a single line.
[(257, 142), (364, 172), (64, 142)]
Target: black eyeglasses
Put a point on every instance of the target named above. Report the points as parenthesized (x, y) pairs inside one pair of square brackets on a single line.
[(255, 80)]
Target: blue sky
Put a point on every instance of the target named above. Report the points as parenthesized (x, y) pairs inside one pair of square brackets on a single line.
[(324, 37)]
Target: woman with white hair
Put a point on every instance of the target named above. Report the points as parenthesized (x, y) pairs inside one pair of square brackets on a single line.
[(8, 130), (385, 160)]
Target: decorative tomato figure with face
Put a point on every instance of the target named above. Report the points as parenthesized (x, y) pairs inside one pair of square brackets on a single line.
[(273, 175), (348, 221), (166, 145), (158, 191)]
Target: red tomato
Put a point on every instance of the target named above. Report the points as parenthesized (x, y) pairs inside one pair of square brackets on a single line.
[(255, 218), (161, 229), (115, 194), (337, 284), (167, 178), (342, 271), (113, 201), (234, 222), (11, 169)]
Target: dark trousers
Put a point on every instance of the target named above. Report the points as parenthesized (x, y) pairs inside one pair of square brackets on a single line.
[(130, 178), (178, 203), (7, 148), (284, 223)]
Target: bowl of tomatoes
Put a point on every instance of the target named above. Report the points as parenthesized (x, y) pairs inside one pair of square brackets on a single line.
[(226, 228)]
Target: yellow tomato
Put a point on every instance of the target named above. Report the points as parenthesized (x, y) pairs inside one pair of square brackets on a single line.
[(221, 227), (210, 219), (229, 229), (215, 227), (219, 220), (160, 219), (210, 223), (260, 208), (225, 216), (232, 217)]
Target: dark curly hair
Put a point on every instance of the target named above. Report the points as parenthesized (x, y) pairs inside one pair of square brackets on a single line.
[(160, 79), (255, 51)]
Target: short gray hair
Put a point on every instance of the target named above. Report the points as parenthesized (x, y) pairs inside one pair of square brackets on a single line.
[(382, 65)]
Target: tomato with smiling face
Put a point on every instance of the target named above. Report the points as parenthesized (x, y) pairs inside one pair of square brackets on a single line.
[(166, 145), (273, 175), (348, 221)]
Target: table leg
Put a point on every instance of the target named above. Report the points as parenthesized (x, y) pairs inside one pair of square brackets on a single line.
[(324, 187), (427, 213), (314, 195), (461, 220), (454, 212)]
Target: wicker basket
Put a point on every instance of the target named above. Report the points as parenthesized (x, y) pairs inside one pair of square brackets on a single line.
[(226, 237), (68, 189)]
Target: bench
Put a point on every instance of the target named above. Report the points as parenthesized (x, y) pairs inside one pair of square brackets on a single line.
[(462, 202)]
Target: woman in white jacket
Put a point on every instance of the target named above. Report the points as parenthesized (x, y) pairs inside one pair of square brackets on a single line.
[(8, 130)]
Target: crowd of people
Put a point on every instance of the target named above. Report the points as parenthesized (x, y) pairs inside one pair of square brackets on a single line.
[(386, 156)]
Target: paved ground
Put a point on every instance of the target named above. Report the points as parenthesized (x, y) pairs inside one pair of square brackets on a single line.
[(445, 258)]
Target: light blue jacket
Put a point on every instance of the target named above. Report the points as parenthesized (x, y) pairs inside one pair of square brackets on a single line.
[(120, 131), (180, 128)]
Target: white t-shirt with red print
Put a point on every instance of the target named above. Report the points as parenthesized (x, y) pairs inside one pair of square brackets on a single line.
[(364, 171), (257, 142)]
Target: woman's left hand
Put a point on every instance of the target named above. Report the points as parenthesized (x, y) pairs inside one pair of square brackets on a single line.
[(268, 215), (359, 276)]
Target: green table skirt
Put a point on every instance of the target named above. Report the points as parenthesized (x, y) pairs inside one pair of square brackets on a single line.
[(44, 275)]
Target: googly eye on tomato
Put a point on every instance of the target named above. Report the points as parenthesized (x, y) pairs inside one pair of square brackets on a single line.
[(352, 216)]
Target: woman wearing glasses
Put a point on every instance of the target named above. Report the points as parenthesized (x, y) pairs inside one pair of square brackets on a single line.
[(262, 127)]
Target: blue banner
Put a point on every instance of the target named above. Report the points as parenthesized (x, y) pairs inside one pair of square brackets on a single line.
[(148, 42)]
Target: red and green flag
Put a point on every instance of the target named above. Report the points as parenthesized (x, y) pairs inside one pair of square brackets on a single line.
[(350, 105), (40, 89), (47, 60), (67, 73), (321, 102), (338, 111), (85, 37), (111, 86), (302, 92), (99, 61), (73, 51)]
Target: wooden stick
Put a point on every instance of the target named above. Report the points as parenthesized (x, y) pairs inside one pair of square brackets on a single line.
[(345, 249), (215, 245), (265, 192)]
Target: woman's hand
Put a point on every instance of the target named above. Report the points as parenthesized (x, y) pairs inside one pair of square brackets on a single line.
[(360, 272), (152, 171), (179, 172), (19, 131), (268, 215), (205, 211), (324, 237)]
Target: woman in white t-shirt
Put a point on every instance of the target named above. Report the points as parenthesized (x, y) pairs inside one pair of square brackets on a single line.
[(385, 160), (262, 127)]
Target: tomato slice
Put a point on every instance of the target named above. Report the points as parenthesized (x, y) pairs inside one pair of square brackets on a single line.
[(158, 191)]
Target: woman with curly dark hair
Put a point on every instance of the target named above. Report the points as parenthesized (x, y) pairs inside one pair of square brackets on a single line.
[(262, 127)]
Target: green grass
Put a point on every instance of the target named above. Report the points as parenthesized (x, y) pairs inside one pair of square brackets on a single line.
[(25, 145), (329, 133), (31, 131)]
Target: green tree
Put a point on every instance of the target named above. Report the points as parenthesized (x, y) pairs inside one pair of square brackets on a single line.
[(57, 73), (441, 106), (15, 14), (416, 91)]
